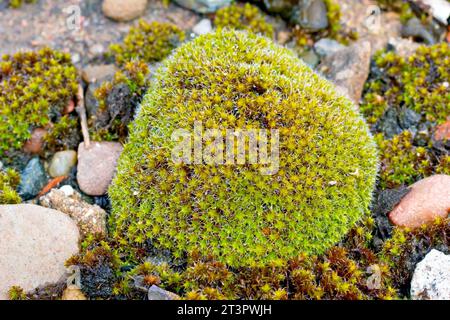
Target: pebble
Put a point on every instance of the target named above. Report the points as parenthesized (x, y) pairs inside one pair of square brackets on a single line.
[(440, 9), (94, 73), (91, 219), (428, 199), (62, 162), (97, 166), (349, 68), (442, 132), (311, 15), (415, 29), (203, 27), (35, 143), (403, 47), (73, 292), (35, 243), (156, 293), (310, 58), (325, 47), (431, 278), (32, 179), (122, 11), (203, 6)]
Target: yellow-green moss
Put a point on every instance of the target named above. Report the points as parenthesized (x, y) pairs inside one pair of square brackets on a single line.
[(18, 3), (35, 88), (9, 180), (243, 17), (236, 80), (148, 41), (420, 82), (16, 293)]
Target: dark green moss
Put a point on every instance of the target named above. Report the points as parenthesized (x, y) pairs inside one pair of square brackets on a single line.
[(35, 88)]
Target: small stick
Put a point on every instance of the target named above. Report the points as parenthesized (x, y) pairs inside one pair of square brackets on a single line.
[(81, 110)]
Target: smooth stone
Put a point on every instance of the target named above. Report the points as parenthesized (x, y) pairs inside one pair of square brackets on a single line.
[(73, 292), (428, 199), (431, 278), (32, 179), (349, 68), (62, 162), (203, 27), (325, 47), (282, 7), (35, 243), (94, 73), (311, 15), (203, 6), (440, 9), (403, 47), (442, 132), (122, 11), (97, 166), (310, 58), (156, 293), (35, 143), (415, 29)]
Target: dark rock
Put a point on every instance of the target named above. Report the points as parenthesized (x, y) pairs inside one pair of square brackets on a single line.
[(33, 179), (385, 202), (281, 7), (310, 15), (98, 281), (409, 119), (415, 29), (396, 120)]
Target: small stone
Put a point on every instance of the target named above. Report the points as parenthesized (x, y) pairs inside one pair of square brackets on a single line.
[(97, 49), (442, 132), (325, 47), (76, 58), (35, 243), (91, 219), (203, 27), (32, 179), (35, 143), (62, 162), (428, 199), (311, 15), (440, 9), (69, 107), (97, 166), (283, 36), (94, 73), (415, 29), (68, 190), (156, 293), (203, 6), (431, 279), (349, 68), (73, 292), (122, 11), (310, 58)]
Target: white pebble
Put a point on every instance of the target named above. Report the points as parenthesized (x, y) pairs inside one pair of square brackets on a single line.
[(68, 190), (203, 27)]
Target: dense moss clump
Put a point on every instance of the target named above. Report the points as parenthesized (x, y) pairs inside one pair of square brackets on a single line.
[(241, 217), (149, 42), (420, 83), (408, 247), (401, 162), (117, 101), (35, 88), (9, 180), (243, 17)]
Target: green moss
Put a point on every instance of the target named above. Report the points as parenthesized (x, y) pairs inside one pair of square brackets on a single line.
[(401, 162), (18, 3), (135, 75), (420, 82), (35, 88), (16, 293), (235, 80), (408, 247), (149, 42), (9, 180), (243, 17)]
